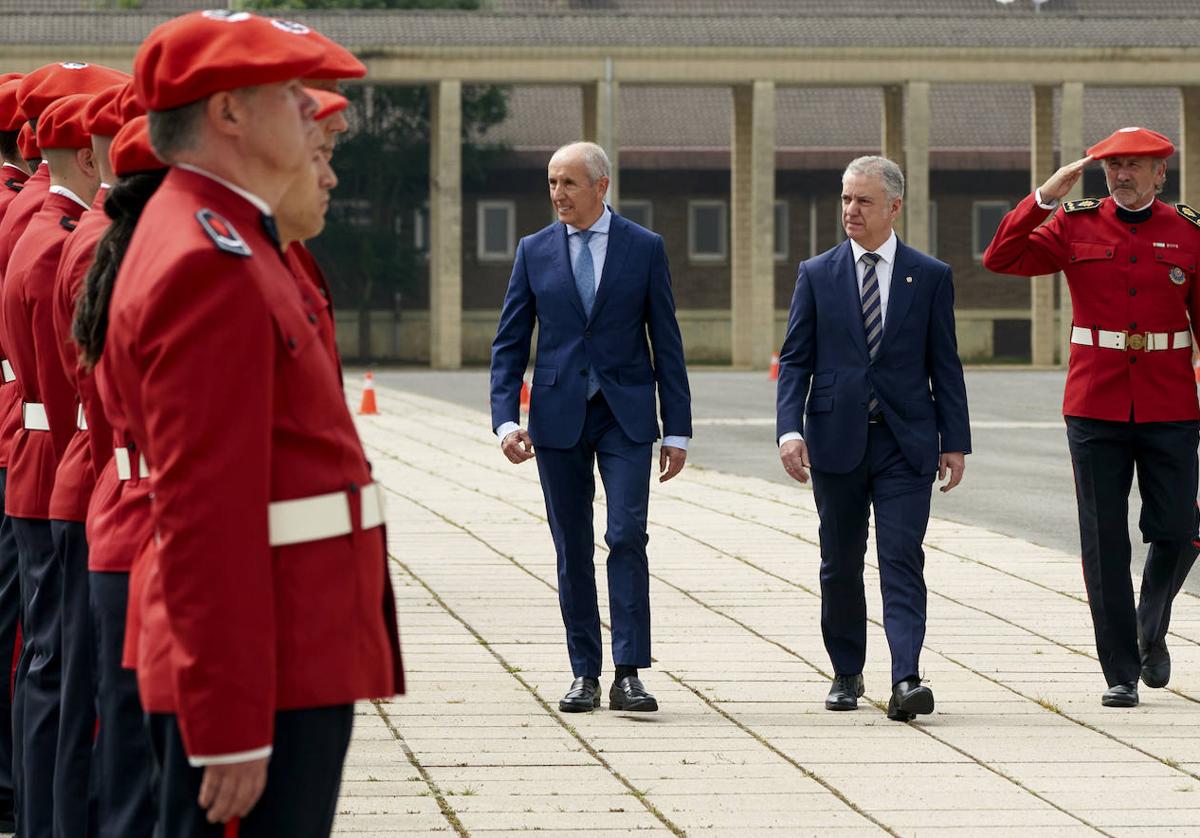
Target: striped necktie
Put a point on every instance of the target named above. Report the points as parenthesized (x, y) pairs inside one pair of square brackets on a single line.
[(585, 284), (872, 309)]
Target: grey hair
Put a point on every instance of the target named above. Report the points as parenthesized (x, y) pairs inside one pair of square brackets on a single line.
[(595, 160), (175, 130), (882, 168)]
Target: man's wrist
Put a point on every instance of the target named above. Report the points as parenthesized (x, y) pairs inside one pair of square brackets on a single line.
[(506, 429), (680, 442), (1046, 205), (788, 437)]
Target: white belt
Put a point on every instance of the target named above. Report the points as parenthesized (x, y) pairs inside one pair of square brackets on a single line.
[(33, 416), (125, 465), (322, 516), (80, 419), (1137, 341), (9, 375)]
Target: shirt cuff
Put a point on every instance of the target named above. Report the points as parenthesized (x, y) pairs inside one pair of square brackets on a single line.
[(789, 436), (1037, 196), (676, 442), (506, 429), (230, 759)]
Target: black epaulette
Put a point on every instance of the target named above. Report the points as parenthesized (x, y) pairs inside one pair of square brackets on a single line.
[(1081, 205), (1188, 213), (222, 233), (14, 184), (68, 223)]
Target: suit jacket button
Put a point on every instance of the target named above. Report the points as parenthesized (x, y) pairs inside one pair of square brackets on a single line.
[(583, 372), (588, 333)]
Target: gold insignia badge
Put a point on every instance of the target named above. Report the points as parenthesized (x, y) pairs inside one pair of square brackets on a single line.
[(1081, 205), (1177, 275), (1188, 213)]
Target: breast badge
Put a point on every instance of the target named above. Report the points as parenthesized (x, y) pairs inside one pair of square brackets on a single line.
[(1177, 275)]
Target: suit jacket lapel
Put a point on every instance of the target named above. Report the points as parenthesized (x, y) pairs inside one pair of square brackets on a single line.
[(900, 294), (614, 261), (847, 279), (562, 266)]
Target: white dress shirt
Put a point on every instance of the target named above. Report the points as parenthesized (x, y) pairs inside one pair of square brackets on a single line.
[(598, 244), (67, 193), (883, 273)]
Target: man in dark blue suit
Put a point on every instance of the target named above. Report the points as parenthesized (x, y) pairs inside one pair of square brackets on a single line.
[(598, 289), (871, 399)]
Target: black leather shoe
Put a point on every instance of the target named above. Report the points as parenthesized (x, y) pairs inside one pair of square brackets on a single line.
[(909, 700), (583, 697), (1121, 695), (629, 694), (844, 692), (1156, 663)]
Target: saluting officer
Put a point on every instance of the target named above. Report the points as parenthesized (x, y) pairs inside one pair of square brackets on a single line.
[(267, 609), (1130, 402)]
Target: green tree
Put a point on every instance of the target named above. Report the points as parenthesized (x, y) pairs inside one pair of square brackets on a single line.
[(368, 249)]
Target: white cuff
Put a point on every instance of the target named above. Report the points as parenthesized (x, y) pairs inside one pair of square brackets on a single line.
[(676, 442), (506, 429), (1037, 196), (230, 759), (789, 436)]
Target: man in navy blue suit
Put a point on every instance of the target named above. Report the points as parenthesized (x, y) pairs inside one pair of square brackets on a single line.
[(871, 400), (598, 288)]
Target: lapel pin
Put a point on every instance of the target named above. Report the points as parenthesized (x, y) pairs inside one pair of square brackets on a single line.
[(908, 279)]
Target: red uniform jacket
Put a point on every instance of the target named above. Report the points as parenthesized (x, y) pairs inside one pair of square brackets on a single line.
[(315, 290), (16, 219), (76, 477), (229, 392), (27, 328), (1135, 277), (11, 181)]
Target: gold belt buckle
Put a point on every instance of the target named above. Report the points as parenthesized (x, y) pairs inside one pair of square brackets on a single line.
[(1136, 341)]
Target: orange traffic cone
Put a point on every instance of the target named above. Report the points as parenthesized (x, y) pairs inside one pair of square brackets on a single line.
[(773, 375), (368, 406), (525, 396)]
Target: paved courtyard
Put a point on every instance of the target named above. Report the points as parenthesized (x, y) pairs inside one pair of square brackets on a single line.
[(1019, 744)]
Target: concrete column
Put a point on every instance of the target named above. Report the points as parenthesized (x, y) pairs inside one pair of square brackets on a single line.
[(1044, 337), (600, 121), (1071, 147), (892, 141), (752, 169), (916, 163), (1189, 151), (445, 226)]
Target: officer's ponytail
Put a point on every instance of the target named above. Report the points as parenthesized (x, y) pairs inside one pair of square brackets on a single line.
[(124, 206)]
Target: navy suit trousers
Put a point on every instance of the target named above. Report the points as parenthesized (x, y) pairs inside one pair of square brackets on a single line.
[(10, 615), (569, 487), (900, 496)]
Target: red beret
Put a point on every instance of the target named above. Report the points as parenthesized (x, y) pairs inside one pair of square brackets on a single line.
[(61, 125), (11, 117), (131, 151), (328, 102), (1132, 142), (339, 62), (198, 54), (10, 76), (128, 104), (103, 117), (27, 143), (54, 81)]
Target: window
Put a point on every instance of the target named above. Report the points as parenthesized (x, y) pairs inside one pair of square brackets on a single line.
[(985, 220), (781, 231), (639, 212), (708, 231), (496, 224), (421, 229)]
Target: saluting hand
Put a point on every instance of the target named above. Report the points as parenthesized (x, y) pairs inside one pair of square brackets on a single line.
[(230, 791), (517, 446), (1062, 181), (794, 456)]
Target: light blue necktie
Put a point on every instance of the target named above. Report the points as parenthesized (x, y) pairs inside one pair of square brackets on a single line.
[(872, 318), (585, 284)]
